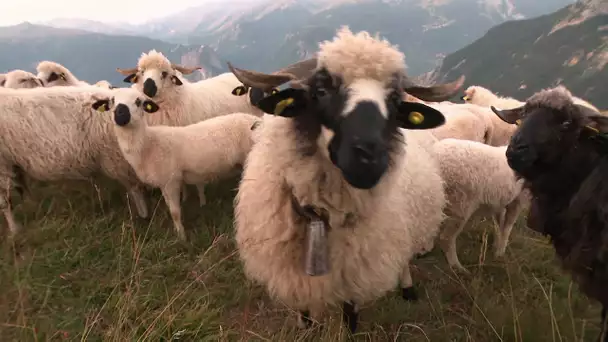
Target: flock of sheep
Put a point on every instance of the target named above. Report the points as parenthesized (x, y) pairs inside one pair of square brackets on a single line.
[(357, 171)]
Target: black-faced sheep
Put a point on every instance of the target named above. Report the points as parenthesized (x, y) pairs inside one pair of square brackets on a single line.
[(561, 151), (183, 102), (332, 180), (53, 74), (49, 135), (19, 79), (166, 156)]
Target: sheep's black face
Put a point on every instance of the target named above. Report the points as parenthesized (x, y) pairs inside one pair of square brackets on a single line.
[(542, 139), (122, 115), (150, 88), (358, 121)]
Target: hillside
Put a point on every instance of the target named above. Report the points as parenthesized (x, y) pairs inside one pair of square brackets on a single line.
[(267, 34), (94, 56), (276, 34), (518, 58)]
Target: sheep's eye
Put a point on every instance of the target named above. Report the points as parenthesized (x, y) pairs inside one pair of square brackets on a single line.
[(165, 74), (324, 83), (138, 102)]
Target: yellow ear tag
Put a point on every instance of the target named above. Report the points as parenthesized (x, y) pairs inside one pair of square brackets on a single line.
[(416, 118), (465, 98), (518, 122), (278, 109), (274, 91), (149, 106), (102, 108), (593, 129)]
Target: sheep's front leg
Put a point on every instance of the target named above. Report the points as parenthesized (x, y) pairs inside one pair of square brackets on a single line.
[(304, 321), (408, 292), (350, 315), (171, 194), (136, 194), (201, 194), (604, 328)]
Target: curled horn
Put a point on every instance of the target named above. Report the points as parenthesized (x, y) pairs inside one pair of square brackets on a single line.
[(127, 72), (184, 70), (511, 116), (434, 93), (260, 80), (301, 70)]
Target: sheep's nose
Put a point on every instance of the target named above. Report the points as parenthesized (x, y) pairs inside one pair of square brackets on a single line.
[(365, 152), (150, 87), (122, 115)]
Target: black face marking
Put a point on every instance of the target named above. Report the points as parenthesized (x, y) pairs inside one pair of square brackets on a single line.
[(122, 115), (150, 88), (52, 77)]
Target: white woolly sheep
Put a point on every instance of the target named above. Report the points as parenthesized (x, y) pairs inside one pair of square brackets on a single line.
[(104, 84), (53, 74), (49, 135), (463, 121), (332, 181), (481, 96), (183, 102), (477, 179), (165, 156), (19, 79)]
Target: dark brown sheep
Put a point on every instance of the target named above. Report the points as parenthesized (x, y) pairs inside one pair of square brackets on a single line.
[(560, 150)]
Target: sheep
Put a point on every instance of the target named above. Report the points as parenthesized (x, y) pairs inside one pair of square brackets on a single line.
[(333, 158), (19, 79), (483, 97), (183, 102), (463, 121), (54, 74), (104, 84), (559, 148), (46, 133), (477, 177), (222, 143)]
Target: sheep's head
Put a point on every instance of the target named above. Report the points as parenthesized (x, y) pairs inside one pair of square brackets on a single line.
[(550, 128), (104, 84), (128, 106), (54, 74), (20, 79), (154, 74), (351, 104), (255, 94)]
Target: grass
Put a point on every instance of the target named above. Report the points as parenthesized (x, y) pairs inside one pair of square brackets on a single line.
[(86, 268)]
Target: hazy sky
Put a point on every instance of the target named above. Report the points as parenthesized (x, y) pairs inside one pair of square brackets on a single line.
[(133, 11)]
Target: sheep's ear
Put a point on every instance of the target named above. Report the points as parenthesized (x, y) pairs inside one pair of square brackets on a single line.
[(287, 103), (240, 90), (510, 116), (131, 79), (52, 77), (101, 105), (176, 80), (414, 115), (150, 106), (597, 123)]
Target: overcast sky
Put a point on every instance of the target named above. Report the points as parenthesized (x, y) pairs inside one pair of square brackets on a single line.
[(133, 11)]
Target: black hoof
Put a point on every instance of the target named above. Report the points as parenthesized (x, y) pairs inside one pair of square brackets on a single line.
[(409, 293), (350, 316), (305, 318)]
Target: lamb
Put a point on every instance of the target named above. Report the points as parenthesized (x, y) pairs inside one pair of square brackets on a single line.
[(54, 74), (183, 102), (19, 79), (163, 156), (560, 150), (483, 97), (332, 179), (48, 135), (477, 177)]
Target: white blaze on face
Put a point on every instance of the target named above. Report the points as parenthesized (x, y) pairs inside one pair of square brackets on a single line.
[(366, 90)]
